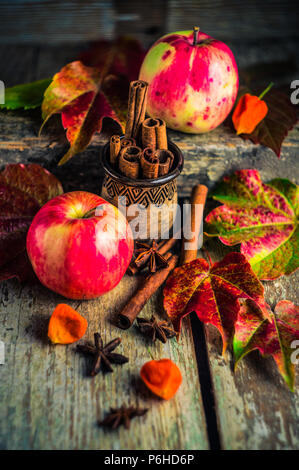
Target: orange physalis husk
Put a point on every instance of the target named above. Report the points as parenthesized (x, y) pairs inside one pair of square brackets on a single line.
[(66, 325), (248, 113), (162, 377)]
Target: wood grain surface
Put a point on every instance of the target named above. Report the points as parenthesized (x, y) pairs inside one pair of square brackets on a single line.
[(54, 21), (255, 409), (47, 400)]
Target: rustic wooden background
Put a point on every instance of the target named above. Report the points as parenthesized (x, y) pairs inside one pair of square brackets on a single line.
[(46, 399)]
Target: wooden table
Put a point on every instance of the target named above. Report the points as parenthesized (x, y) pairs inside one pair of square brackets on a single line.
[(47, 400)]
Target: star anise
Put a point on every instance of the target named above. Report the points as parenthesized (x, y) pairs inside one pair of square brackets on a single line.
[(103, 355), (155, 329), (148, 254), (122, 415)]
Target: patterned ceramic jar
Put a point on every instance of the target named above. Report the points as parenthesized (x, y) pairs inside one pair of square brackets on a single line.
[(149, 205)]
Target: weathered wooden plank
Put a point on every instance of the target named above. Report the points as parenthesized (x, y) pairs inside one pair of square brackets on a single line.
[(47, 400), (24, 21), (234, 19), (57, 22), (54, 21), (210, 156), (254, 407), (17, 64), (207, 157)]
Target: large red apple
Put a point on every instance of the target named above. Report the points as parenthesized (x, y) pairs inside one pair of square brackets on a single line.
[(79, 245), (193, 81)]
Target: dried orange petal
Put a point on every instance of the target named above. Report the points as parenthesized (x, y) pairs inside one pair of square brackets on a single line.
[(162, 377), (66, 325)]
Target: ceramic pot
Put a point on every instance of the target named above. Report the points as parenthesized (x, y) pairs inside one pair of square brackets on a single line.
[(149, 205)]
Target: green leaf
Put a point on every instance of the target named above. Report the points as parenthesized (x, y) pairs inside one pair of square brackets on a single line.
[(275, 336), (28, 96)]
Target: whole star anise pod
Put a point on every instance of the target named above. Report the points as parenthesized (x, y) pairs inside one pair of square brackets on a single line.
[(122, 415), (155, 329), (103, 355), (148, 254)]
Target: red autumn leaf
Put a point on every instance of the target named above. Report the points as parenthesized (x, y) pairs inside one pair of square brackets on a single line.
[(24, 189), (262, 217), (212, 292), (84, 95), (279, 120), (277, 336)]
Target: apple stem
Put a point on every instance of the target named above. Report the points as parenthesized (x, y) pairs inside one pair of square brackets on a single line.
[(195, 35), (89, 213)]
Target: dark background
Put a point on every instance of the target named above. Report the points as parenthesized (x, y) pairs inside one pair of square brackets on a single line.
[(259, 32)]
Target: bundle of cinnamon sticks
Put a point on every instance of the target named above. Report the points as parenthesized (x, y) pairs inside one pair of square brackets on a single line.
[(143, 152)]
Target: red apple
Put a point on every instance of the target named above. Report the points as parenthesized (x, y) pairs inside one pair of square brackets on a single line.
[(193, 81), (78, 251)]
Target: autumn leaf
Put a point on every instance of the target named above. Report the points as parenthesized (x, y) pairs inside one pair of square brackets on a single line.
[(279, 120), (84, 95), (77, 93), (125, 68), (24, 189), (28, 96), (276, 336), (212, 292), (262, 217)]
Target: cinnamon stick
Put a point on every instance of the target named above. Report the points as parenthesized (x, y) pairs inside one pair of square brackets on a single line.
[(190, 247), (129, 161), (148, 132), (161, 135), (136, 107), (166, 158), (149, 164), (127, 142), (127, 316), (166, 245), (114, 149), (153, 134)]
